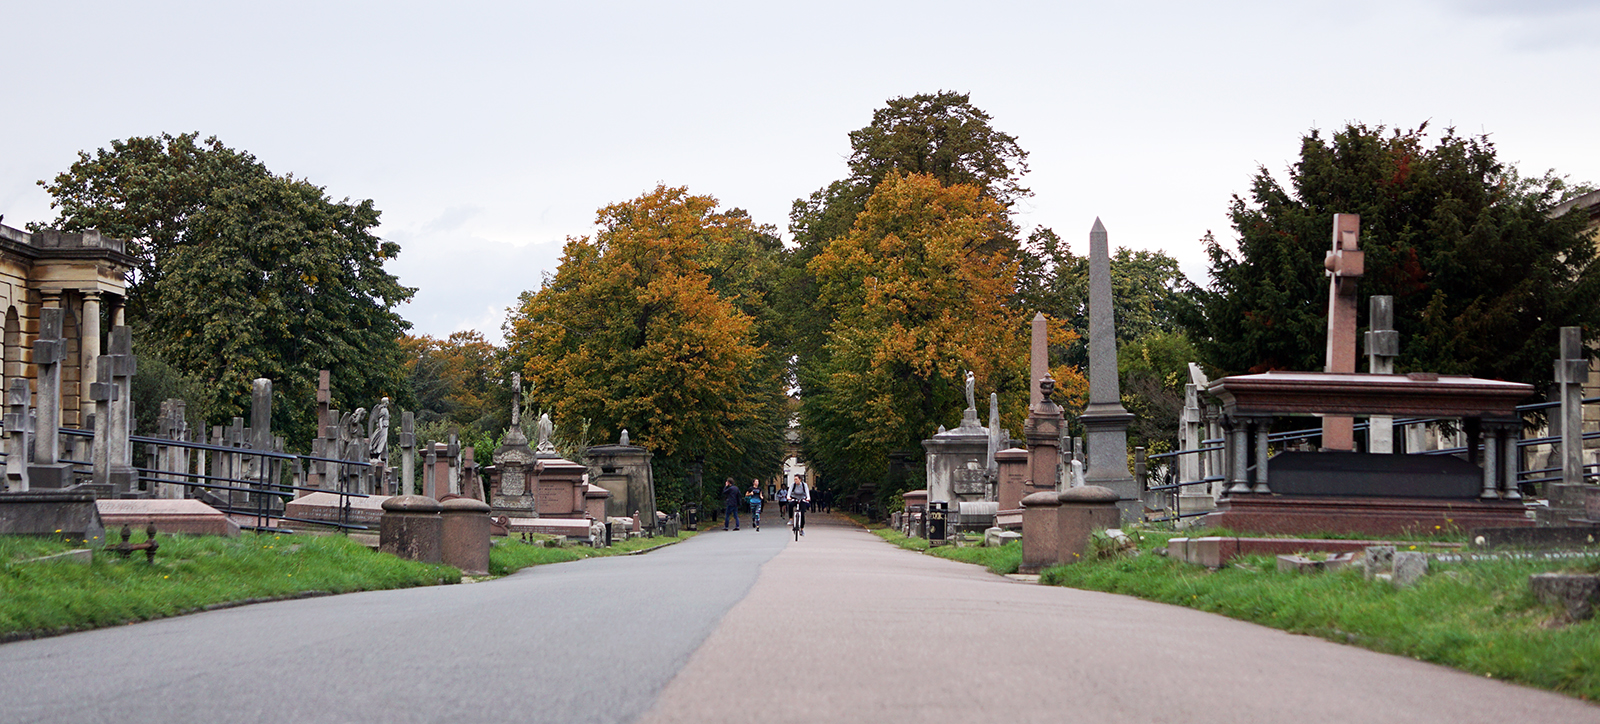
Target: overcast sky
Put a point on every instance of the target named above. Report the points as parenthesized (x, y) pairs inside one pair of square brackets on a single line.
[(488, 132)]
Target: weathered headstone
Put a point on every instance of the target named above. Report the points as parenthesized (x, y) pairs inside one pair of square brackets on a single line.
[(511, 494), (1105, 421), (1409, 567), (1345, 267), (1566, 498), (1043, 433)]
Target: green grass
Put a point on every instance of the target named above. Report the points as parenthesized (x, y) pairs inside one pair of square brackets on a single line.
[(511, 554), (1002, 560), (1475, 616), (189, 573)]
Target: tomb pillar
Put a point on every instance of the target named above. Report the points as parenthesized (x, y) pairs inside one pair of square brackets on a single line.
[(88, 353), (18, 441), (1261, 427), (47, 471)]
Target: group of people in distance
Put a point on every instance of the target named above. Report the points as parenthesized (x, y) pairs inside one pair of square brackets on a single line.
[(794, 499)]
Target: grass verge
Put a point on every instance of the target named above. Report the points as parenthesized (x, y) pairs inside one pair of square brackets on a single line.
[(510, 555), (190, 573), (1475, 616), (194, 573), (1002, 560)]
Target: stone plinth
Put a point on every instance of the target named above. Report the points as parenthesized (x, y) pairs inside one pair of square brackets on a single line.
[(465, 537), (320, 507), (595, 501), (1300, 515), (955, 462), (511, 491), (559, 489), (191, 517), (578, 528), (69, 515), (412, 528), (1082, 511), (626, 472), (1012, 482), (1040, 527)]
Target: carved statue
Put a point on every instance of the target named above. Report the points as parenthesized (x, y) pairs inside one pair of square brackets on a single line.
[(378, 432), (972, 403), (546, 429), (624, 437)]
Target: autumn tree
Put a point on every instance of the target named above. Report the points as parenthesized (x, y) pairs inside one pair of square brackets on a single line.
[(916, 298), (631, 333), (459, 379), (1481, 274), (245, 274)]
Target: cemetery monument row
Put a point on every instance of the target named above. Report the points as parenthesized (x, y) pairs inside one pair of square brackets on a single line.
[(1339, 490)]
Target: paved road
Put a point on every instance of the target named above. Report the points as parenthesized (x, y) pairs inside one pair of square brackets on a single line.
[(588, 641), (716, 629)]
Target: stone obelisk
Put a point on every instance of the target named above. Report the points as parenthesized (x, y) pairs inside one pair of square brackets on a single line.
[(1105, 421)]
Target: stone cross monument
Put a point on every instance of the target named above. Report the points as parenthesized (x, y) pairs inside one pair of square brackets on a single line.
[(1105, 421), (47, 471), (1345, 266)]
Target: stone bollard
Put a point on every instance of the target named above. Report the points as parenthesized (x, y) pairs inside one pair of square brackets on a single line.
[(466, 535), (1040, 546), (1084, 510), (411, 528)]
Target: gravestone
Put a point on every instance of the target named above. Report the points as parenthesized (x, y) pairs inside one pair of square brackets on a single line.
[(1104, 420), (1566, 497), (19, 441), (512, 493), (1038, 356), (956, 459), (1043, 433)]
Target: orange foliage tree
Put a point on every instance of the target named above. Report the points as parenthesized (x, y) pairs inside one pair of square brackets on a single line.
[(917, 296), (630, 333)]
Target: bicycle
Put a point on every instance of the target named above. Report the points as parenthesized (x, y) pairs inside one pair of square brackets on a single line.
[(797, 518)]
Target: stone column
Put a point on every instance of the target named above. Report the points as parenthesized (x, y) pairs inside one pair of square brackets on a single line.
[(1038, 357), (1345, 267), (1383, 345), (261, 431), (88, 353), (1261, 427), (101, 393), (1105, 421)]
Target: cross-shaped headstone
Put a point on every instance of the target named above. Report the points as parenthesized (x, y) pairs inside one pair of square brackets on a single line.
[(1345, 266)]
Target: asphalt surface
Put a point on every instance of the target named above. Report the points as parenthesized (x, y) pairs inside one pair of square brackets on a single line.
[(587, 641), (737, 626)]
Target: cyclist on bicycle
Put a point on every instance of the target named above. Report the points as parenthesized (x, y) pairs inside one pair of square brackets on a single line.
[(800, 501)]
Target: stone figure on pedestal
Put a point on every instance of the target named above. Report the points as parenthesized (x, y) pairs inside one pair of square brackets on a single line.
[(378, 432), (546, 429)]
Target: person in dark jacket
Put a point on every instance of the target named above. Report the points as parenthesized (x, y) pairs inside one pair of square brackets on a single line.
[(730, 504)]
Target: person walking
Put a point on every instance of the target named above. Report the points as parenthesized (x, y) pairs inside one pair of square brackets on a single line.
[(799, 501), (783, 502), (753, 499), (730, 504)]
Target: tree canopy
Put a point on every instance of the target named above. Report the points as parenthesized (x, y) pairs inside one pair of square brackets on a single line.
[(915, 301), (245, 274), (1481, 275), (632, 333)]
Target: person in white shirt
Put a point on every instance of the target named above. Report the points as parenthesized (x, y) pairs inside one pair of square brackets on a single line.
[(800, 500)]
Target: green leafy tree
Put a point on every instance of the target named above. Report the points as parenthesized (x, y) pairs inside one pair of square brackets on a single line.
[(245, 274), (1482, 276)]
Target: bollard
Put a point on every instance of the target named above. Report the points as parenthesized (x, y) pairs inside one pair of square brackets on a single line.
[(411, 528), (465, 542)]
